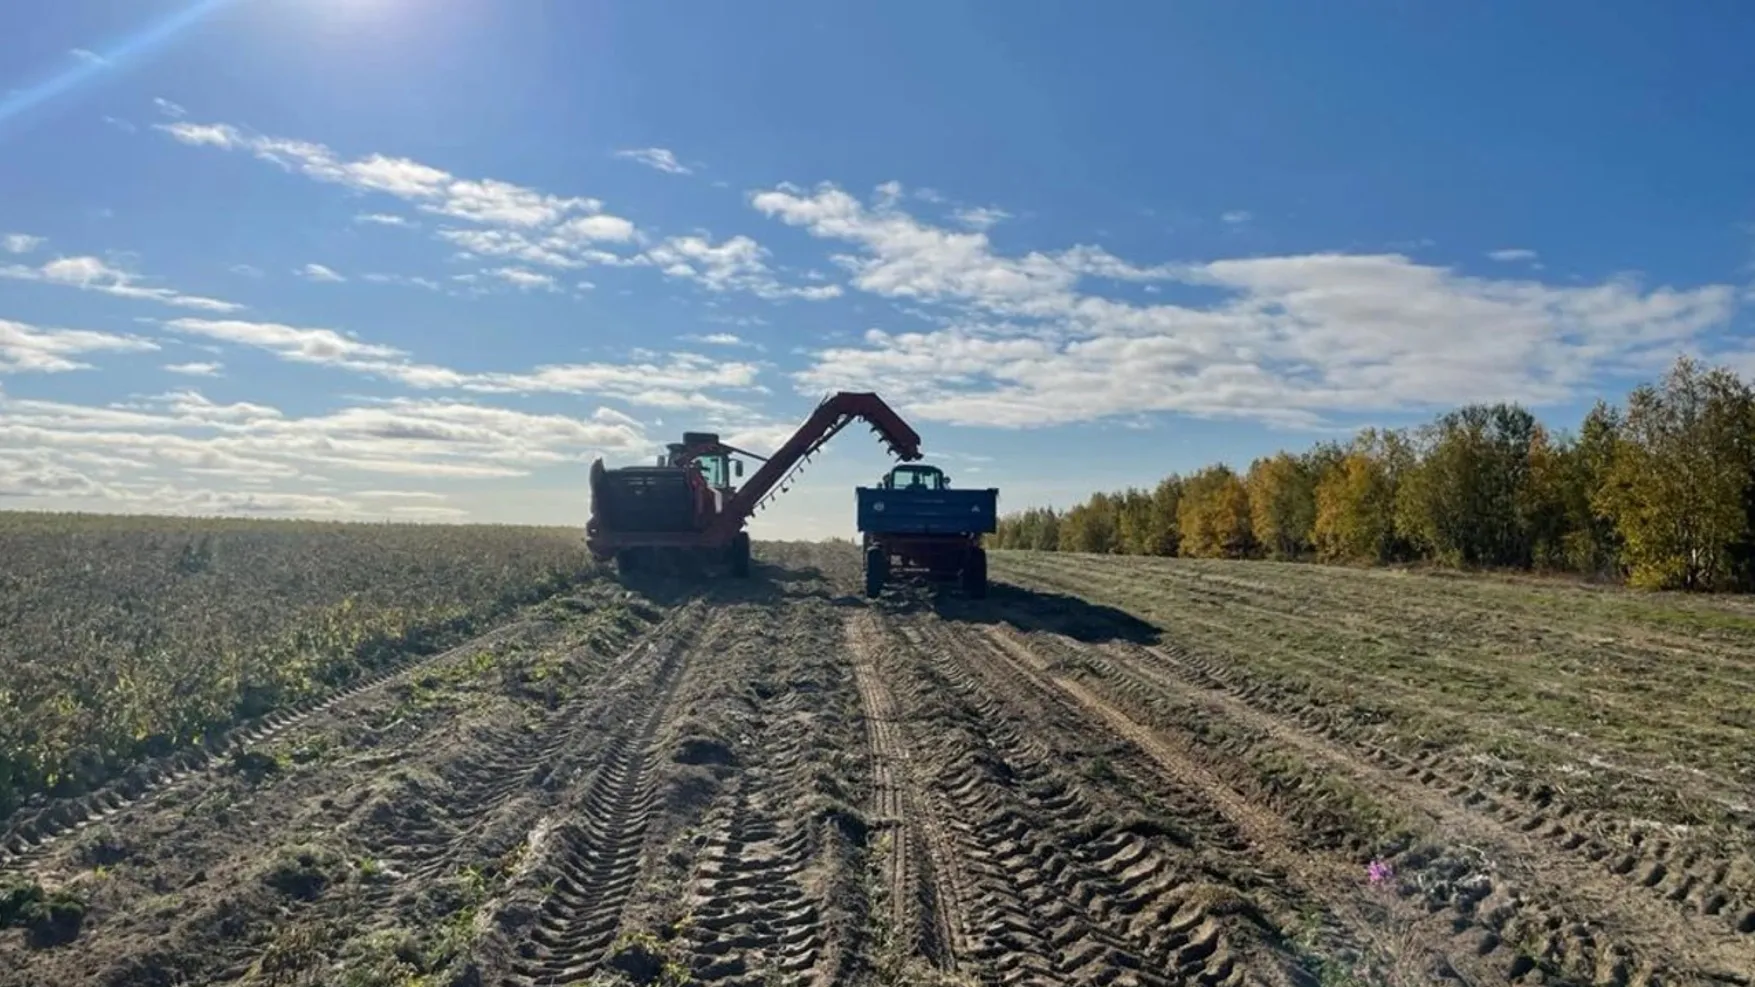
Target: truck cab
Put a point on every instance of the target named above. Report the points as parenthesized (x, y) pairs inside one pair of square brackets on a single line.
[(915, 476)]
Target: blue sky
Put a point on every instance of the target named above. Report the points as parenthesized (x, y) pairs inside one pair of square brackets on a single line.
[(426, 259)]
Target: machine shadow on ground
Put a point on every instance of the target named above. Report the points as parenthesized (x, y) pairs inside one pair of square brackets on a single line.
[(1030, 610), (768, 582)]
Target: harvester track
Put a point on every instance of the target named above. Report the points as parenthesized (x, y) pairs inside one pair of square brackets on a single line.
[(752, 921), (925, 889), (1537, 883), (599, 836)]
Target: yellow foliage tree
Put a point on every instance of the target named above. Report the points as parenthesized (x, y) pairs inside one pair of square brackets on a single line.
[(1355, 505), (1213, 515), (1679, 476), (1282, 504)]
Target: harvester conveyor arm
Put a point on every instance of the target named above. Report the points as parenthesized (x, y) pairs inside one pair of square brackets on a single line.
[(830, 417)]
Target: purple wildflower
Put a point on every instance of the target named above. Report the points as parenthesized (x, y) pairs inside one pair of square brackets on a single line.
[(1379, 871)]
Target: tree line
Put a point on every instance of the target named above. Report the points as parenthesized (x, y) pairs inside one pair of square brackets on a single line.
[(1659, 492)]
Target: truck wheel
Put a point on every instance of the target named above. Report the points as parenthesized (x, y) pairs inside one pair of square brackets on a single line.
[(627, 561), (740, 555), (877, 570), (975, 574)]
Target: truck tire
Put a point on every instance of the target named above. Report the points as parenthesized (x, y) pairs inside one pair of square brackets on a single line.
[(740, 555), (975, 574), (877, 571), (627, 561)]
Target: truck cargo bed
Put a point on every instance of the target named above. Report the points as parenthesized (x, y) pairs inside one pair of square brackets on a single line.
[(927, 512)]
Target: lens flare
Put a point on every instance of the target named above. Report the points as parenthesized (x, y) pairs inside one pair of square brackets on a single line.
[(94, 64)]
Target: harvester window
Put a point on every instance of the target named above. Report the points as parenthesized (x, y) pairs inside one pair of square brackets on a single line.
[(715, 470)]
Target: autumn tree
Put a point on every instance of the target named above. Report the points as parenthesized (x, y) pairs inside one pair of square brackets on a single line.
[(1468, 497), (1091, 526), (1593, 543), (1166, 532), (1679, 475), (1661, 490), (1213, 515), (1033, 529), (1282, 504), (1134, 522), (1355, 500)]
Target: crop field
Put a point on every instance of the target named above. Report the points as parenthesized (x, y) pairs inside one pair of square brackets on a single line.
[(1112, 771)]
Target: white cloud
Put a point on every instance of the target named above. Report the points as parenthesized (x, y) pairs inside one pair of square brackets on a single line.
[(88, 56), (196, 369), (485, 201), (516, 223), (981, 217), (523, 279), (92, 274), (719, 339), (183, 453), (735, 263), (679, 380), (513, 245), (587, 229), (1291, 340), (317, 272), (246, 270), (1512, 254), (288, 342), (1237, 217), (910, 259), (168, 108), (403, 279), (20, 243), (382, 219), (25, 348), (655, 157)]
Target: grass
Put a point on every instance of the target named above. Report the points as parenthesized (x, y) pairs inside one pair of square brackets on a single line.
[(131, 636), (1633, 701)]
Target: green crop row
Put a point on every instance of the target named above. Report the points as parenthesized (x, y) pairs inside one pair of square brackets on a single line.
[(122, 637)]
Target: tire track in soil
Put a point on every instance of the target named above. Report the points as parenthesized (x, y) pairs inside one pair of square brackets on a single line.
[(752, 921), (1697, 876), (28, 838), (1691, 880), (925, 889), (1483, 919), (1064, 891), (599, 838), (507, 761), (1687, 882), (423, 838), (274, 936)]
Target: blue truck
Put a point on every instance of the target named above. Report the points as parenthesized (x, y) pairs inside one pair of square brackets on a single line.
[(913, 521)]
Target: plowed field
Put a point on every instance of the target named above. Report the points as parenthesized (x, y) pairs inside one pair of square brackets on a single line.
[(1110, 772)]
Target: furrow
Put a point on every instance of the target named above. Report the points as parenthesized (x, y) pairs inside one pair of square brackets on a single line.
[(1083, 861), (925, 889), (418, 836), (598, 846), (1066, 893), (1498, 925), (1696, 880)]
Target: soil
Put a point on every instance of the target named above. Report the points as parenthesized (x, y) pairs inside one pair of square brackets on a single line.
[(1094, 776)]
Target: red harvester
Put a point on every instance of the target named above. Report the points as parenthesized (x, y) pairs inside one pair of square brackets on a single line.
[(687, 511)]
